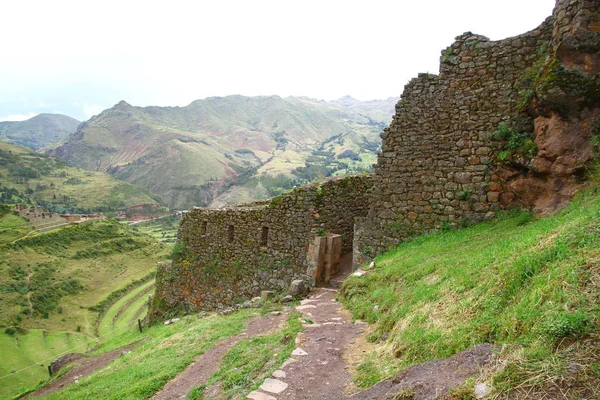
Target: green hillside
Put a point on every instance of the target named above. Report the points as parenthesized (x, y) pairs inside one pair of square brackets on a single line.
[(32, 178), (190, 155), (526, 284), (54, 286), (39, 131), (12, 227)]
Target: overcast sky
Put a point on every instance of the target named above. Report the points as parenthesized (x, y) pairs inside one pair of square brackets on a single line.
[(80, 57)]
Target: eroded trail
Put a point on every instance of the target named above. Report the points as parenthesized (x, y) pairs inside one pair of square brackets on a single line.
[(317, 369), (206, 364), (80, 370)]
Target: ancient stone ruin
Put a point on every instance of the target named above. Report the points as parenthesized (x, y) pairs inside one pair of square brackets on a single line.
[(42, 219), (509, 122), (505, 123), (225, 256)]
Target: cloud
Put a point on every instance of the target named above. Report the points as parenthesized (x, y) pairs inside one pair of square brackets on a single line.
[(18, 117), (91, 109)]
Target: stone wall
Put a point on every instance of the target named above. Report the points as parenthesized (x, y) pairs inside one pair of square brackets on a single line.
[(229, 255), (572, 17), (444, 162), (435, 169)]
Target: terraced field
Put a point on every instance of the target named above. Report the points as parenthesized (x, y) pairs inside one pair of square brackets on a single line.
[(124, 313), (53, 286), (30, 353), (162, 229)]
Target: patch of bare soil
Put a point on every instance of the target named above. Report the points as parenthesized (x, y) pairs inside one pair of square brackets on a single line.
[(85, 367), (207, 363), (432, 379)]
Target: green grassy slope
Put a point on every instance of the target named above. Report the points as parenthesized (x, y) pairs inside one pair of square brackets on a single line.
[(50, 286), (13, 227), (28, 177), (30, 353), (166, 350), (39, 131), (189, 155), (528, 283)]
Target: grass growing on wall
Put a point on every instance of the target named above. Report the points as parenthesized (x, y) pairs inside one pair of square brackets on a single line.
[(522, 281)]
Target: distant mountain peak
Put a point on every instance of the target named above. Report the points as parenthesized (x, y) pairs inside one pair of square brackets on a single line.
[(123, 104), (38, 131)]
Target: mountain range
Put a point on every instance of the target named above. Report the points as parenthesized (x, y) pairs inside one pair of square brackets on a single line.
[(227, 149), (39, 131)]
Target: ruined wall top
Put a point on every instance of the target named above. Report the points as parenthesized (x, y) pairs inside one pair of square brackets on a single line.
[(235, 252)]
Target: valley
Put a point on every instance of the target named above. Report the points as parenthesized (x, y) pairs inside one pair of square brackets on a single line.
[(440, 245)]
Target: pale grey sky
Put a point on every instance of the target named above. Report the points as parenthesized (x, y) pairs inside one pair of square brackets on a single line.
[(80, 57)]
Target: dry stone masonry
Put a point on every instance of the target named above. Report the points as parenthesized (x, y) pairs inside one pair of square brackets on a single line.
[(226, 256), (509, 122), (442, 163)]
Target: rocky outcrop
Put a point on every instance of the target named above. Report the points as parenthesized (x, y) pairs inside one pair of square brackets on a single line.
[(433, 379), (564, 101)]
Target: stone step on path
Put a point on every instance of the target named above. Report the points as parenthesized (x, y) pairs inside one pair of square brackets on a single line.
[(317, 369)]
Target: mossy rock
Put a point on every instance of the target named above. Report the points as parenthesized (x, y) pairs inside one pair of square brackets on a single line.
[(565, 90)]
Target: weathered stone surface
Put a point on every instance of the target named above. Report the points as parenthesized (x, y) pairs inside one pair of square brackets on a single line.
[(299, 352), (482, 390), (305, 307), (298, 287), (273, 386), (260, 396), (279, 374), (288, 362), (265, 294)]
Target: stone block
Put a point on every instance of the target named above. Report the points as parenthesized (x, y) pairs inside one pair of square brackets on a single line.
[(493, 197), (298, 287), (256, 395)]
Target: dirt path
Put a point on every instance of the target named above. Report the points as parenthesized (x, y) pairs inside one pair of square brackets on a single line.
[(317, 369), (79, 371), (207, 363)]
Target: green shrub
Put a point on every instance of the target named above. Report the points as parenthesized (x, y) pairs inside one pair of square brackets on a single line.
[(519, 142)]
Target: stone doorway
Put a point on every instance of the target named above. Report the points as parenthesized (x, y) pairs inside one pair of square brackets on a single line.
[(326, 259)]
